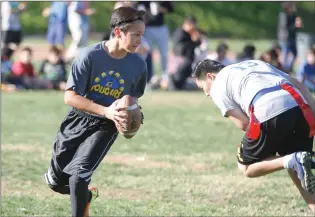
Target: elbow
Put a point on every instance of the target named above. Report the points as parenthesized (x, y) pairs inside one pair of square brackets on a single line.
[(243, 127), (67, 98), (296, 83)]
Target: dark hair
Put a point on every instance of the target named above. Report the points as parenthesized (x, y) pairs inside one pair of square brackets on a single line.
[(249, 51), (221, 47), (123, 16), (191, 19), (273, 54), (7, 52), (207, 66), (27, 49), (55, 50)]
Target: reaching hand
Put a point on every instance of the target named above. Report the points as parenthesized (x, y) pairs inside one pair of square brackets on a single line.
[(116, 114)]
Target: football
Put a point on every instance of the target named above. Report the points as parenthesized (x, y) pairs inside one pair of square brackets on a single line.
[(133, 112)]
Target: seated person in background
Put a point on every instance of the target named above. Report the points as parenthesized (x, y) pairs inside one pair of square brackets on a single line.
[(220, 55), (306, 74), (277, 48), (23, 73), (186, 39), (6, 70), (247, 54), (6, 62), (54, 69), (271, 57)]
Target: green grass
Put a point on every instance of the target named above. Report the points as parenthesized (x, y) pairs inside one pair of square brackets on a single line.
[(181, 162)]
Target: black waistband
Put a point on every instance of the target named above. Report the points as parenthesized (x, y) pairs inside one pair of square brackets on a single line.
[(88, 115)]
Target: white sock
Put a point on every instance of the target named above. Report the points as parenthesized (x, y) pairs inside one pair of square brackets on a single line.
[(287, 159)]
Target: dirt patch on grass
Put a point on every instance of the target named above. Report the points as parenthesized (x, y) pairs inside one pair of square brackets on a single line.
[(130, 194), (146, 162), (140, 162)]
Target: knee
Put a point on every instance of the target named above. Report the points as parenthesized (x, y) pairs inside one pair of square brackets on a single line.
[(245, 171), (249, 174), (76, 180), (61, 189)]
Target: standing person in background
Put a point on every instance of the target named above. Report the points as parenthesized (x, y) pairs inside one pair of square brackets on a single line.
[(186, 39), (289, 22), (156, 32), (78, 22), (57, 23), (10, 23)]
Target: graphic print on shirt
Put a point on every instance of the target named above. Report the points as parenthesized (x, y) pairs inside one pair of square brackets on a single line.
[(107, 87)]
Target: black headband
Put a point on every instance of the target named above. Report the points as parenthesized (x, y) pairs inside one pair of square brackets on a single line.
[(125, 22)]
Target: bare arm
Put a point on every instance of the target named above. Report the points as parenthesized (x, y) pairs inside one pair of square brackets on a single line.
[(239, 118), (77, 101)]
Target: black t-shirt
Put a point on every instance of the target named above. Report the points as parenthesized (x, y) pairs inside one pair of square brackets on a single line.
[(291, 26), (286, 26), (53, 71), (153, 16), (184, 45)]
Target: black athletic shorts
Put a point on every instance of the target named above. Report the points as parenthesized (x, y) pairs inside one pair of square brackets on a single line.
[(284, 134), (10, 36), (81, 144)]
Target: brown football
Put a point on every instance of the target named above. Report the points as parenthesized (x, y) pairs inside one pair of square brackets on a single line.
[(133, 116)]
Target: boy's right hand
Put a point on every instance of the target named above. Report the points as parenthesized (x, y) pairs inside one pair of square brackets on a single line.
[(114, 113)]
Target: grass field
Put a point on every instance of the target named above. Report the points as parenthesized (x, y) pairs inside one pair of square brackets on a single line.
[(182, 162)]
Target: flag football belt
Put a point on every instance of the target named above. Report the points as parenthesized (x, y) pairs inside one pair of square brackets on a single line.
[(254, 125)]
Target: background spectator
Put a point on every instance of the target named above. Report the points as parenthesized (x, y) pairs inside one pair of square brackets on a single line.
[(23, 74), (10, 23), (306, 74), (248, 53), (186, 39), (57, 23), (220, 54), (271, 57), (78, 22), (289, 22), (53, 68), (156, 32), (6, 62)]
